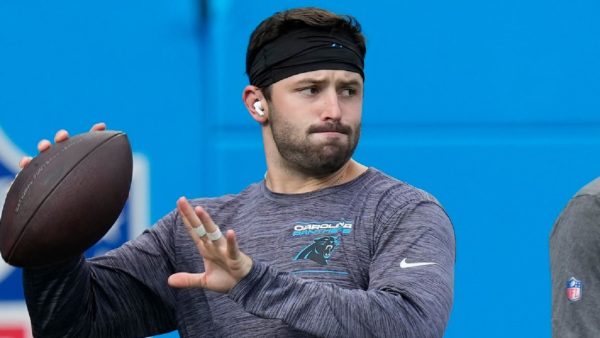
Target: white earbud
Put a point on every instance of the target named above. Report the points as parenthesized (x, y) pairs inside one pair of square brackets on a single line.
[(259, 108)]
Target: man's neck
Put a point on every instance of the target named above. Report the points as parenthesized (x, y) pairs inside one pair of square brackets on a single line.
[(292, 182)]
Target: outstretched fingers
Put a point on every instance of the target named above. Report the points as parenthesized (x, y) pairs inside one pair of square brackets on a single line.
[(233, 251), (187, 280), (213, 233), (225, 265), (192, 223)]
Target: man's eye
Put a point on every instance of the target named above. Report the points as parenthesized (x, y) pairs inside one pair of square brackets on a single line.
[(348, 92), (309, 90)]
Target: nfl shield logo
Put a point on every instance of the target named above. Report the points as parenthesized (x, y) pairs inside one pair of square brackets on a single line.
[(574, 289)]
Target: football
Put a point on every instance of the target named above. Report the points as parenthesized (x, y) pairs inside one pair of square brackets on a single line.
[(66, 199)]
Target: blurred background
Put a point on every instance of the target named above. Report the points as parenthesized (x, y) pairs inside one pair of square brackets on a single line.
[(492, 106)]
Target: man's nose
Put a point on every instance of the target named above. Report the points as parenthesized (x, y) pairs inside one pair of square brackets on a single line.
[(331, 106)]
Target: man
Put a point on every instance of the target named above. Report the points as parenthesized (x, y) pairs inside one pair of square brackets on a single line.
[(575, 262), (324, 246)]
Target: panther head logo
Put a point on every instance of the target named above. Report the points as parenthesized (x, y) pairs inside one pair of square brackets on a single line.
[(320, 250)]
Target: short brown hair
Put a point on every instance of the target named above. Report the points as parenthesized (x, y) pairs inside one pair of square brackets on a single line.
[(286, 21)]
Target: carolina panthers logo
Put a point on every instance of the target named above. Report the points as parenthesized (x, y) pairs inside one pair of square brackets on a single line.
[(320, 250)]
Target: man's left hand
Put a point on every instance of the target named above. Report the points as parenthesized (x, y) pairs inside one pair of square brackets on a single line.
[(224, 264)]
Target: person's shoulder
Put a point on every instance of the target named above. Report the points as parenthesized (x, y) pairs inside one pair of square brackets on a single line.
[(392, 199), (396, 190), (228, 200), (590, 189), (587, 198), (579, 218)]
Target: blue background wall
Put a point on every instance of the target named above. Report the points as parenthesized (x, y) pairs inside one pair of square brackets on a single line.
[(491, 106)]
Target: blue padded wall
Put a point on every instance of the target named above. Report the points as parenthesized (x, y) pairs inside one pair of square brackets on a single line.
[(491, 106)]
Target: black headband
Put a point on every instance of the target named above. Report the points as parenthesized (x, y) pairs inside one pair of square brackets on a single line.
[(305, 50)]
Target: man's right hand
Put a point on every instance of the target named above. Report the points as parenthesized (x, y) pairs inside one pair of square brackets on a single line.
[(61, 136)]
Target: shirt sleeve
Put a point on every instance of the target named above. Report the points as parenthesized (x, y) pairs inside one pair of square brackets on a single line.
[(120, 294), (412, 299), (574, 247)]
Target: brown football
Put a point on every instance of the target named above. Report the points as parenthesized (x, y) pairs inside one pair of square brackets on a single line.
[(66, 199)]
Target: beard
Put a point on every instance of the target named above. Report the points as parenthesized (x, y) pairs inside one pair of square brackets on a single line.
[(315, 158)]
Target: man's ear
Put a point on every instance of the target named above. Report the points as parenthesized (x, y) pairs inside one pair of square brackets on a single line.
[(255, 103)]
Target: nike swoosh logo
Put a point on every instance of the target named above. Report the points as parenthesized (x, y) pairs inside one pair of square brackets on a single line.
[(405, 265)]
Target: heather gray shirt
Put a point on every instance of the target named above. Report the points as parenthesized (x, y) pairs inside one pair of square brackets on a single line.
[(326, 263), (575, 264)]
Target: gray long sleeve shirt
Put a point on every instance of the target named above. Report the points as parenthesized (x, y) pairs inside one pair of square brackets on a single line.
[(371, 257)]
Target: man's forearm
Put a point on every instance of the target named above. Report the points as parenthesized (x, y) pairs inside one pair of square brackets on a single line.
[(327, 310), (56, 297)]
